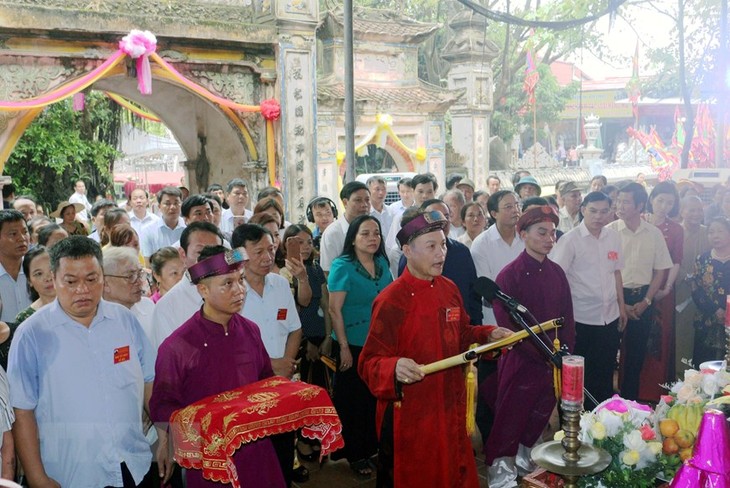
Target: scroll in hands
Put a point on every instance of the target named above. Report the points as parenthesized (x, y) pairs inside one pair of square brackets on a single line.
[(472, 354)]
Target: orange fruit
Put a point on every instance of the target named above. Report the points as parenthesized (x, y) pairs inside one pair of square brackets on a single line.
[(684, 438), (669, 446), (668, 427)]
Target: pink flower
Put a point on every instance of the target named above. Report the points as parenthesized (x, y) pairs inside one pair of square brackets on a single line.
[(270, 109), (647, 433), (667, 399)]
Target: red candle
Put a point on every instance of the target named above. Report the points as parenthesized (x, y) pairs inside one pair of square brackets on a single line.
[(573, 371)]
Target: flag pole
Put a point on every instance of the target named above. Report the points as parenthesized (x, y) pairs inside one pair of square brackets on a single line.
[(534, 133)]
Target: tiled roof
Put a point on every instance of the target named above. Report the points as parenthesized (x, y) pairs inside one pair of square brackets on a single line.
[(420, 94), (386, 25)]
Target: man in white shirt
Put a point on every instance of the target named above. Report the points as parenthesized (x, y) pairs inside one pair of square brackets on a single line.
[(378, 191), (456, 201), (356, 200), (646, 261), (237, 212), (406, 197), (168, 230), (270, 305), (424, 187), (140, 215), (183, 300), (592, 258), (500, 244), (79, 196), (14, 243), (570, 211)]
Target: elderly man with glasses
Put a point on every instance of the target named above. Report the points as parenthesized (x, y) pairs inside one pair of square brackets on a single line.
[(124, 283)]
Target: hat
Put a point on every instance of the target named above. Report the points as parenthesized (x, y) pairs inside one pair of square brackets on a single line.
[(62, 206), (567, 187), (536, 215), (467, 182), (527, 180), (422, 224), (218, 264)]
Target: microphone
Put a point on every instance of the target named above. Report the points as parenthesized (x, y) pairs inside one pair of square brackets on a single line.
[(489, 290)]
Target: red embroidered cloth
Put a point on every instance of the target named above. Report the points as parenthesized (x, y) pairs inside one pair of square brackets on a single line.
[(208, 432)]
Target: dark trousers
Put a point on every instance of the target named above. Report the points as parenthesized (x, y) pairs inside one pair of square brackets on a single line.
[(356, 407), (598, 344), (128, 480), (636, 338), (284, 447), (484, 413)]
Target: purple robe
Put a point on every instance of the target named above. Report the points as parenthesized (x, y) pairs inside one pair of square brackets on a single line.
[(199, 360), (525, 396)]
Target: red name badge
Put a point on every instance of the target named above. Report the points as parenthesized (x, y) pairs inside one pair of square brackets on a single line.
[(453, 314), (121, 354), (612, 256), (281, 314)]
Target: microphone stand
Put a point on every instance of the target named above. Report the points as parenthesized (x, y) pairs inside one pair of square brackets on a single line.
[(556, 357)]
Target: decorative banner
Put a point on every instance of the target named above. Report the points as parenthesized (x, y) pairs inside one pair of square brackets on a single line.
[(138, 111), (141, 46), (380, 132)]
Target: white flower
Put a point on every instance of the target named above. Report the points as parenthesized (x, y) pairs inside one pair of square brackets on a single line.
[(693, 377), (634, 442), (709, 385), (611, 421)]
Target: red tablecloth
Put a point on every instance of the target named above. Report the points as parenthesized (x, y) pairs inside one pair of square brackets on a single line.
[(208, 432)]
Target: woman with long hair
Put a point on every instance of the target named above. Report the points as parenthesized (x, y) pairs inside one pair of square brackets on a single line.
[(112, 217), (658, 369), (316, 325), (39, 281), (356, 277), (710, 285)]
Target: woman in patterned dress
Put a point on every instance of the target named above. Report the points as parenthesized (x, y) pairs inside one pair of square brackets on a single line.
[(710, 287)]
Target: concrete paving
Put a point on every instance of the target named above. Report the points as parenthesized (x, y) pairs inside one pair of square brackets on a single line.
[(338, 474)]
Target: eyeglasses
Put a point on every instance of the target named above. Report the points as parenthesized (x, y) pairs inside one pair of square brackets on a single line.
[(132, 277)]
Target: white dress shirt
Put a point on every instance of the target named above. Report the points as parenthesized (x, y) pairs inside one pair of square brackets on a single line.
[(174, 309), (333, 240), (491, 254), (13, 295), (79, 198), (157, 235), (590, 264), (138, 224), (275, 313), (385, 218)]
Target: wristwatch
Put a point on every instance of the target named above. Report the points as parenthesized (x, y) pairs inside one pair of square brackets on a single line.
[(648, 301)]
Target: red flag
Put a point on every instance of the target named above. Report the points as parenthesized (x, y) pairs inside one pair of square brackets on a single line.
[(633, 87), (532, 76)]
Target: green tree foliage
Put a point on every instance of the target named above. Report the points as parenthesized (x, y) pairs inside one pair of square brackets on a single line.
[(512, 113), (62, 145)]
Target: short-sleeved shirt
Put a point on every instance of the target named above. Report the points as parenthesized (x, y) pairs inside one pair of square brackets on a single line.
[(349, 276), (333, 240), (138, 224), (275, 313), (385, 218), (590, 264), (174, 309), (644, 252), (491, 254), (14, 294), (157, 235), (86, 388), (227, 220)]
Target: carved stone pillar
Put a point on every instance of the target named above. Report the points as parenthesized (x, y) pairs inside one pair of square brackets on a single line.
[(471, 55), (296, 64)]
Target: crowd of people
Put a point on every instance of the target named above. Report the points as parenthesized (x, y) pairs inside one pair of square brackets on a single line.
[(114, 316)]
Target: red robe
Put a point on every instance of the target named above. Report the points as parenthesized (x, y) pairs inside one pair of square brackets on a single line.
[(425, 321)]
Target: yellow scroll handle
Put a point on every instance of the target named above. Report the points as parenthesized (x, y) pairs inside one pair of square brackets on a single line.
[(472, 354)]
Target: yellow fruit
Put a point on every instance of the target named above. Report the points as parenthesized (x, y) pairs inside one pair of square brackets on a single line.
[(669, 446), (685, 454), (668, 427), (684, 438)]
